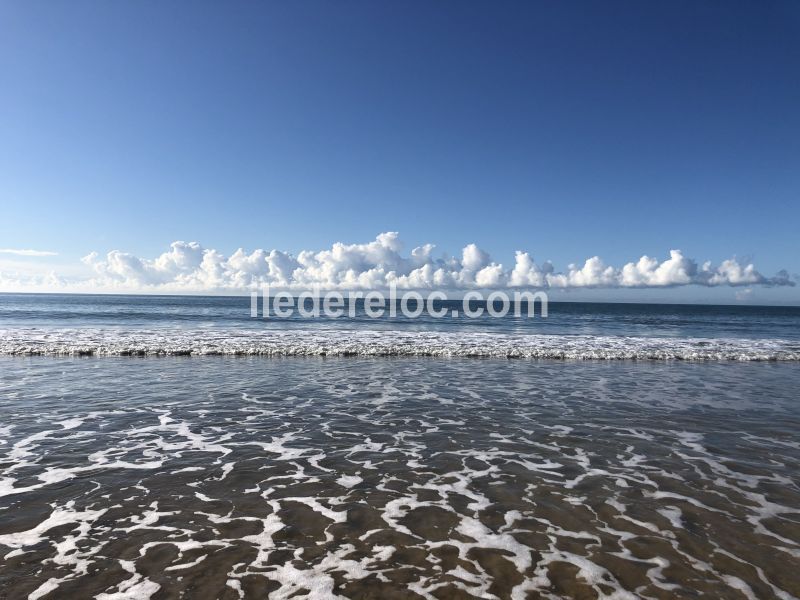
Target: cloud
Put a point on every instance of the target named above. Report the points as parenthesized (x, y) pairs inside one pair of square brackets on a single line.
[(189, 267), (23, 252)]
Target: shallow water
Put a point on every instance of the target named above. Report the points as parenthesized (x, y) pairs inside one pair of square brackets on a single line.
[(221, 477)]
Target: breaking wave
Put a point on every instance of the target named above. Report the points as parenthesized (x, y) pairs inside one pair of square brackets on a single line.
[(336, 342)]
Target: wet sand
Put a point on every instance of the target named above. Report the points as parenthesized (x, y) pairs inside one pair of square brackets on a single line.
[(397, 478)]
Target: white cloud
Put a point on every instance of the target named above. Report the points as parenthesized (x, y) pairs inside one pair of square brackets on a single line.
[(24, 252), (647, 271), (189, 267)]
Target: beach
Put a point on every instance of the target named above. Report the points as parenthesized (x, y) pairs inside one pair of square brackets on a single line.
[(163, 447), (219, 477), (399, 301)]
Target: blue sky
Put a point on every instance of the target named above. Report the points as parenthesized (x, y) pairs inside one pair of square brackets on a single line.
[(567, 129)]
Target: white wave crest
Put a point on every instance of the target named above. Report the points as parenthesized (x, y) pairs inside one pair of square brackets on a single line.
[(183, 342)]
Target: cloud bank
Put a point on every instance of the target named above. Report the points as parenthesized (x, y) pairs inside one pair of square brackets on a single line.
[(380, 263), (190, 268)]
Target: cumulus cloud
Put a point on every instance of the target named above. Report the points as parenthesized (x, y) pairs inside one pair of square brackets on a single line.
[(188, 266), (24, 252)]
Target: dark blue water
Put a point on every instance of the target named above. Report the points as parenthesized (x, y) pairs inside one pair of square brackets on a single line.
[(663, 320)]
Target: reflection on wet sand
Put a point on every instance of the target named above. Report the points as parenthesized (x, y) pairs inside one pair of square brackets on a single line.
[(231, 478)]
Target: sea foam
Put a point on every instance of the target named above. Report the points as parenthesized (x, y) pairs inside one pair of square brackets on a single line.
[(358, 342)]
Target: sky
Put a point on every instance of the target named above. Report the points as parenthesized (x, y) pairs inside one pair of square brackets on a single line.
[(564, 130)]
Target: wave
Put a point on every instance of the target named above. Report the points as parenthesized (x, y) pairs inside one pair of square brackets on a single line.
[(204, 342)]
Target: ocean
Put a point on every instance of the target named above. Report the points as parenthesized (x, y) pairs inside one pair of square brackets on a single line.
[(168, 447), (195, 325)]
